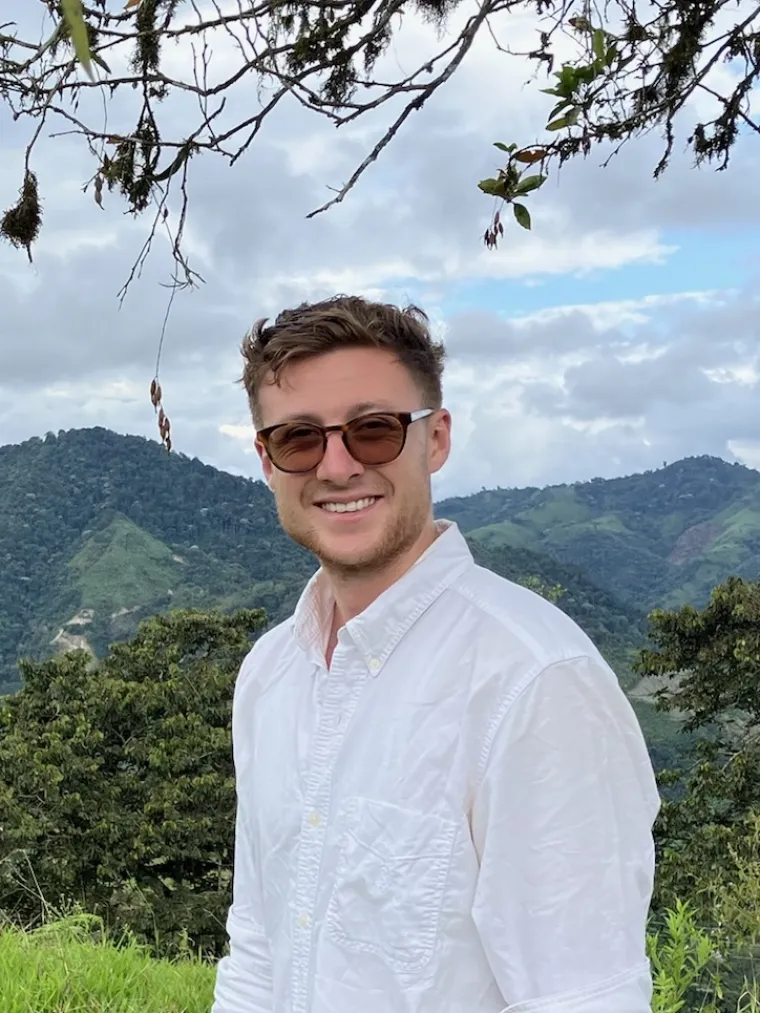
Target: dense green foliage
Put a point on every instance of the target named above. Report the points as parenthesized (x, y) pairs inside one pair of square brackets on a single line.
[(715, 650), (116, 781), (709, 660), (705, 664)]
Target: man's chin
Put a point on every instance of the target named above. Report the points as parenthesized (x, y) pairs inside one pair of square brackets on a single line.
[(354, 553), (364, 547), (354, 549)]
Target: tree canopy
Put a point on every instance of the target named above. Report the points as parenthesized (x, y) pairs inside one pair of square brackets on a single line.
[(616, 70), (708, 833), (116, 781)]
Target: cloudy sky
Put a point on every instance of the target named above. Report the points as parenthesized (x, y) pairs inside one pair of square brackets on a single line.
[(624, 331)]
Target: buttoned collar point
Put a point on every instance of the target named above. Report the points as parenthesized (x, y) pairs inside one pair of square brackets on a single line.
[(378, 629)]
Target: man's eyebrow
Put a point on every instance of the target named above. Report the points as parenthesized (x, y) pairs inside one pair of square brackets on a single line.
[(369, 406), (360, 408), (299, 417)]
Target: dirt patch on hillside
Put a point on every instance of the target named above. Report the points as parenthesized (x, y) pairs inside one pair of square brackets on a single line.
[(65, 641), (694, 541)]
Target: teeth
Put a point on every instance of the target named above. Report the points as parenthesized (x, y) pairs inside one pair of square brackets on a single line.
[(342, 508)]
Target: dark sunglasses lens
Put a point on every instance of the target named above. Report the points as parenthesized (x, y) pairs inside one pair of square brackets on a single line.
[(377, 439), (296, 448)]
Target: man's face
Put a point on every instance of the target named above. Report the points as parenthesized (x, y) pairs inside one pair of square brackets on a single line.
[(328, 389)]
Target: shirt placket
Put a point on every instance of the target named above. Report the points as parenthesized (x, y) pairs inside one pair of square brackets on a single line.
[(342, 689)]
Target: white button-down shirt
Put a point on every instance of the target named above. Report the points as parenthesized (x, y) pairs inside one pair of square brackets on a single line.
[(455, 818)]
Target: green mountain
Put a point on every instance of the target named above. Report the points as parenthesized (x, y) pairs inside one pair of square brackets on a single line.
[(659, 539), (99, 530)]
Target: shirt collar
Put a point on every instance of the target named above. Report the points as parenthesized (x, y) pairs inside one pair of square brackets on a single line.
[(377, 630)]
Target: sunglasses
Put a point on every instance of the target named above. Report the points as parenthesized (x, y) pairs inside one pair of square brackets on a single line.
[(379, 438)]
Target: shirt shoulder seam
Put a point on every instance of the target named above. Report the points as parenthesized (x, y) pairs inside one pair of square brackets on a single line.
[(508, 701), (470, 594)]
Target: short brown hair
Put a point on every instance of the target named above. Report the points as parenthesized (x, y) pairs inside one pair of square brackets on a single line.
[(343, 322)]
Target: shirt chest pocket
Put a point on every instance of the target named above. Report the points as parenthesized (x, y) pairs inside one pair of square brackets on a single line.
[(390, 880)]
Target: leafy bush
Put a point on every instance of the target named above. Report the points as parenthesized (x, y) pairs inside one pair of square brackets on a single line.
[(116, 781)]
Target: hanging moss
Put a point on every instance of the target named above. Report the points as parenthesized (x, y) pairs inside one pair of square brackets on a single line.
[(20, 224)]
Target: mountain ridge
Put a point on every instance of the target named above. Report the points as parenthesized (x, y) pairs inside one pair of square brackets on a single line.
[(658, 538), (98, 530)]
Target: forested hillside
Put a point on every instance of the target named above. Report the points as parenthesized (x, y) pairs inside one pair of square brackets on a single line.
[(98, 531), (659, 539)]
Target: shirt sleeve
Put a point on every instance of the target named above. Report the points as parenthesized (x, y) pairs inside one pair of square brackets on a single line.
[(244, 978), (562, 822)]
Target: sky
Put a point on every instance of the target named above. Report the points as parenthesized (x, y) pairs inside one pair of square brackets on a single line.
[(621, 333)]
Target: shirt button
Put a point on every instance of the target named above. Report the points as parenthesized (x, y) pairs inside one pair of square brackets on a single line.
[(315, 819), (304, 920), (374, 664)]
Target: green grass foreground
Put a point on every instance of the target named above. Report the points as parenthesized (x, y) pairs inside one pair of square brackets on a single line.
[(70, 966), (63, 968)]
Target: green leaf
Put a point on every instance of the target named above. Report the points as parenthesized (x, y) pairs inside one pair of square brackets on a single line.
[(504, 147), (568, 120), (569, 77), (101, 62), (599, 43), (179, 160), (529, 183), (522, 215), (493, 187), (72, 12), (588, 74), (611, 54), (559, 107)]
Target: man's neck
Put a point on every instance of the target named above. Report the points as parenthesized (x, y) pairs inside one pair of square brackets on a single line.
[(355, 593)]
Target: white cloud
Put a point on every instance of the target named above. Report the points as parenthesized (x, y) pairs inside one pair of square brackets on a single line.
[(571, 389), (244, 433), (605, 316), (747, 452)]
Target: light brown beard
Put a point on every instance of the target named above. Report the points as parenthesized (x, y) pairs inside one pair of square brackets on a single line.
[(403, 530)]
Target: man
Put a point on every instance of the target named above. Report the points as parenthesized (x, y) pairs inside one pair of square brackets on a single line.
[(444, 800)]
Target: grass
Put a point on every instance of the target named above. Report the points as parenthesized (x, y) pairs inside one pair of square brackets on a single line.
[(67, 967)]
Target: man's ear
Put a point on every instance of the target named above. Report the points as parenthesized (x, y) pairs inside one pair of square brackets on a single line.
[(266, 464), (440, 440)]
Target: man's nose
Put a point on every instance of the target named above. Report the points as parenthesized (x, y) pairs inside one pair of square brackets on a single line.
[(338, 465)]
